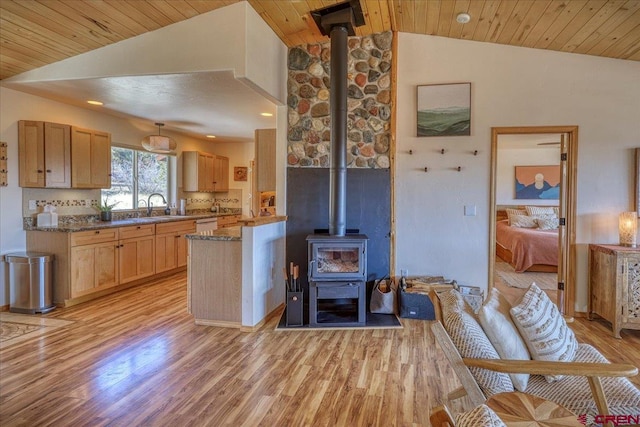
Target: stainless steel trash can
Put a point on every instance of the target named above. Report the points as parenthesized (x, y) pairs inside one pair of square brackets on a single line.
[(30, 288)]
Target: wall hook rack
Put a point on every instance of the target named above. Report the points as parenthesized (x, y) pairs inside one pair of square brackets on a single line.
[(426, 169), (475, 152), (459, 168), (410, 151), (442, 151)]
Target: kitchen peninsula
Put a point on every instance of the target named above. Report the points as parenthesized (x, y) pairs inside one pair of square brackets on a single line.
[(235, 275)]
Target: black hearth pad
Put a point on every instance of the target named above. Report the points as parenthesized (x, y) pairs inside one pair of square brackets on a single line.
[(374, 321)]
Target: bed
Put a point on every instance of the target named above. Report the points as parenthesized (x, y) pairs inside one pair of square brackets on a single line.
[(527, 249)]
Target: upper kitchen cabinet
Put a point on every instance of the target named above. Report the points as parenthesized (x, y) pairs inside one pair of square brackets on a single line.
[(90, 158), (44, 154), (221, 174), (204, 172), (265, 163)]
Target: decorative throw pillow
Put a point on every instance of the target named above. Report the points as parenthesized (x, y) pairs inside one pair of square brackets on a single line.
[(479, 416), (523, 221), (497, 324), (540, 210), (471, 341), (548, 223), (511, 211), (452, 300), (544, 329)]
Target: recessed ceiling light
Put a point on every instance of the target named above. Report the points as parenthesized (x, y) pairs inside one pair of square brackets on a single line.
[(463, 18), (94, 102), (211, 136), (266, 114)]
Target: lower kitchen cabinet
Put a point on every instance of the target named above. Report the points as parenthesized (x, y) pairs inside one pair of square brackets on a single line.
[(228, 220), (93, 268), (136, 258), (137, 252), (92, 263), (171, 245)]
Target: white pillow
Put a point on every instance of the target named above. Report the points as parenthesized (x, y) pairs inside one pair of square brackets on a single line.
[(523, 221), (543, 328), (479, 416), (497, 324), (548, 223), (540, 210)]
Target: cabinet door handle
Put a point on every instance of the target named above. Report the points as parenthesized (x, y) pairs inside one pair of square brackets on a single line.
[(39, 170), (48, 170), (138, 228), (97, 231)]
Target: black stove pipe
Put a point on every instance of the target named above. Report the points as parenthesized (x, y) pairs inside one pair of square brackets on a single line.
[(338, 107)]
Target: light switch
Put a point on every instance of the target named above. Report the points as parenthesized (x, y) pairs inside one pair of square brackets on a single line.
[(470, 210), (32, 205)]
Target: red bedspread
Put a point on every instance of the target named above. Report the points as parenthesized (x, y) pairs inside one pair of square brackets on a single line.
[(529, 246)]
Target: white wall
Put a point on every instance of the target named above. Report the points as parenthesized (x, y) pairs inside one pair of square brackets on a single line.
[(511, 86), (508, 159), (263, 258)]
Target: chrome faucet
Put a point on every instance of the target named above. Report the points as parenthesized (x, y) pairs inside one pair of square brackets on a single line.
[(150, 206)]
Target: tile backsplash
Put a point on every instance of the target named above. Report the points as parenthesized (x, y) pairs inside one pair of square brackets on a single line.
[(79, 205)]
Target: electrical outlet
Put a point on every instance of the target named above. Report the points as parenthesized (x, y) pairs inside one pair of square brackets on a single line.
[(32, 205)]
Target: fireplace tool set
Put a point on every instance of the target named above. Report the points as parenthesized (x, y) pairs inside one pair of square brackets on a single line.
[(294, 296)]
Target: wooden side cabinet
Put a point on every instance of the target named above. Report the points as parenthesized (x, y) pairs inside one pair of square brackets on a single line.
[(614, 285)]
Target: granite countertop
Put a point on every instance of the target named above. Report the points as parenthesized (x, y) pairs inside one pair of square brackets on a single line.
[(97, 225), (229, 233)]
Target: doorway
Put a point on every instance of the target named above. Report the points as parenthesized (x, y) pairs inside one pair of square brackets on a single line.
[(563, 139)]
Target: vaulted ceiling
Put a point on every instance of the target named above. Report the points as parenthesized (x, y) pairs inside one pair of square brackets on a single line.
[(34, 33)]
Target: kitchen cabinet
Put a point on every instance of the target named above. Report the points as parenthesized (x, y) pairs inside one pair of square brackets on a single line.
[(136, 252), (614, 286), (228, 220), (44, 152), (221, 174), (93, 262), (90, 158), (198, 171), (265, 155), (171, 245), (204, 172)]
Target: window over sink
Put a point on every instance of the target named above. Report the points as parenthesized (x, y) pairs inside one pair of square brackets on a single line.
[(135, 174)]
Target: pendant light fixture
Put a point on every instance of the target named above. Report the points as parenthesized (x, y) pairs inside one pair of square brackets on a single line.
[(159, 143)]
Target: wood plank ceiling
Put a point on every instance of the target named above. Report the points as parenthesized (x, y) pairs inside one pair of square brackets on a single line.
[(34, 33)]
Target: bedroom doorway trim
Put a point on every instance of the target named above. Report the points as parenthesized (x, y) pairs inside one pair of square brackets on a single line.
[(567, 203)]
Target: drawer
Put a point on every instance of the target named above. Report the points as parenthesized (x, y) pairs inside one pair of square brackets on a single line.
[(137, 231), (228, 219), (342, 290), (176, 227), (94, 236)]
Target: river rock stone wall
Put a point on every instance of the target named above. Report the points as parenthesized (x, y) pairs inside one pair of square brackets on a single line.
[(368, 103)]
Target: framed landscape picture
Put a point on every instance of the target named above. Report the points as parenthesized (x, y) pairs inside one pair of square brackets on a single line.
[(538, 182), (444, 110)]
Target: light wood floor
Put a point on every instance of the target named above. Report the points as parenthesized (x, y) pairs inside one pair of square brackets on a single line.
[(137, 358)]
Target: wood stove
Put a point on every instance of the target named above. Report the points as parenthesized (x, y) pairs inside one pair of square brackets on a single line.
[(337, 271)]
